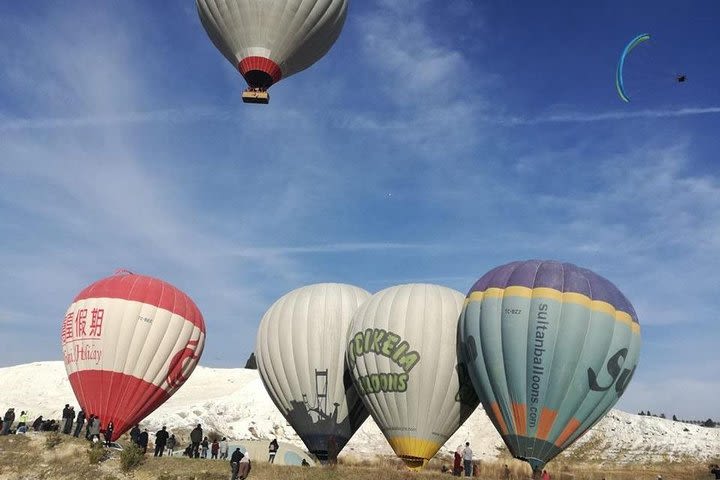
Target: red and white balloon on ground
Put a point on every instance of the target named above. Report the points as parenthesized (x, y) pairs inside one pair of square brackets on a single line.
[(129, 343)]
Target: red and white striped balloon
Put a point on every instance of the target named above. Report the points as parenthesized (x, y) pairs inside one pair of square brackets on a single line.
[(129, 342)]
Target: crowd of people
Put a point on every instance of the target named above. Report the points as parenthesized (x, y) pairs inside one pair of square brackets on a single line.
[(72, 423)]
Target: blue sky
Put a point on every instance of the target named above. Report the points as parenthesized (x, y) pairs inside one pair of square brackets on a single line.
[(436, 140)]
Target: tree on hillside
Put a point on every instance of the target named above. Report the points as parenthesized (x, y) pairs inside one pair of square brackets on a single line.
[(674, 418), (662, 415), (251, 362), (641, 413), (709, 423)]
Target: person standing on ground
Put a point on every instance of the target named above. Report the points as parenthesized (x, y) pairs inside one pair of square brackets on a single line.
[(91, 418), (458, 462), (715, 470), (66, 419), (161, 438), (95, 429), (143, 440), (467, 460), (135, 434), (214, 449), (235, 458), (196, 437), (546, 476), (171, 445), (223, 448), (244, 467), (109, 433), (506, 472), (272, 450), (205, 445), (79, 423), (69, 419)]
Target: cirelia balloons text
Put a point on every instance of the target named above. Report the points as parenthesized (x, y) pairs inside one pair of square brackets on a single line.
[(402, 354)]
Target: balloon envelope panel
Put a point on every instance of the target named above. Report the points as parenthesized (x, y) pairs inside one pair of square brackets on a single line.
[(300, 351), (129, 342), (403, 358), (550, 348), (276, 37)]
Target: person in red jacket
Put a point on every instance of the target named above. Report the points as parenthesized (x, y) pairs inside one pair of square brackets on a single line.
[(457, 462)]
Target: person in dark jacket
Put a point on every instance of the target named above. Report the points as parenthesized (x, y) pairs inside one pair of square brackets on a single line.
[(204, 447), (135, 435), (196, 437), (214, 449), (161, 438), (143, 440), (68, 419), (79, 423), (37, 423), (235, 458), (715, 470), (65, 416), (88, 425), (109, 433), (272, 450), (8, 420)]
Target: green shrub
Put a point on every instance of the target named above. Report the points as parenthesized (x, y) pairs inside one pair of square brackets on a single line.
[(52, 440), (96, 453), (131, 457)]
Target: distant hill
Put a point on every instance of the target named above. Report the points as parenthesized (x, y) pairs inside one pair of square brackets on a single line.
[(234, 403)]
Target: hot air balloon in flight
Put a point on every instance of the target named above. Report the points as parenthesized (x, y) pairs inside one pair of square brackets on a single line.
[(550, 348), (129, 343), (300, 353), (268, 40), (403, 358)]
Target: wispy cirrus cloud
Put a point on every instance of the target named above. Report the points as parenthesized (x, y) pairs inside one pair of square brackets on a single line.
[(583, 117)]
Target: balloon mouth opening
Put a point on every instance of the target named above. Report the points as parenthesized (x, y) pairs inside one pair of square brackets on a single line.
[(414, 463), (259, 72), (322, 455), (535, 463), (258, 79)]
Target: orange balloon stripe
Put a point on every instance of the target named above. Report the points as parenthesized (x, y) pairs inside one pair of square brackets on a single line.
[(497, 414), (520, 417), (547, 418), (570, 428)]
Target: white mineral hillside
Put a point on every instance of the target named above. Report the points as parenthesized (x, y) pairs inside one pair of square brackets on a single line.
[(235, 403)]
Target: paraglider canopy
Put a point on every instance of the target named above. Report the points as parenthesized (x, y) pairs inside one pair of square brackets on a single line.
[(619, 80), (681, 78)]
